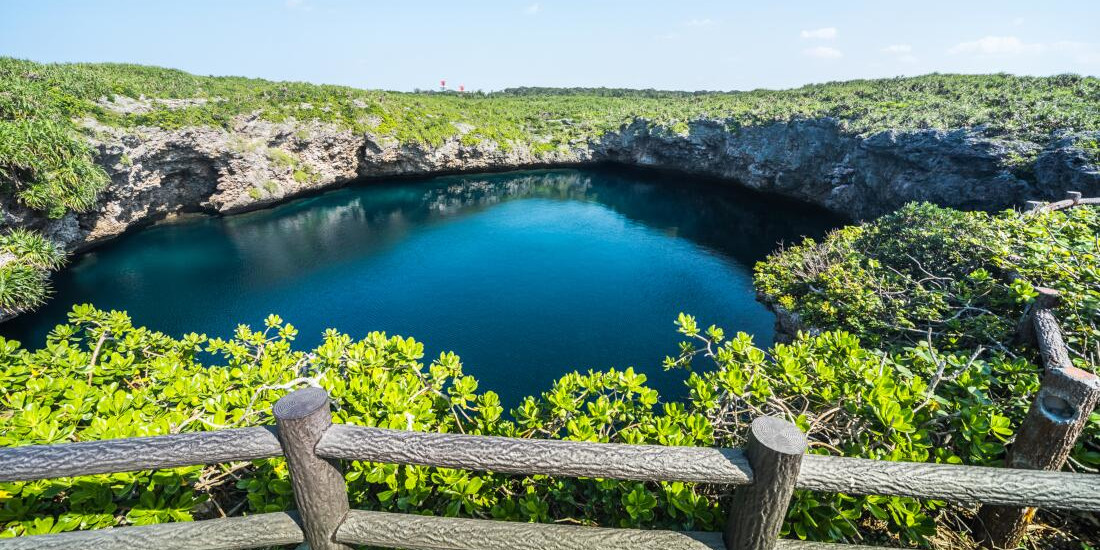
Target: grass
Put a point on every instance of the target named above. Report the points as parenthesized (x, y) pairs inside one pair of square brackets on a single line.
[(47, 167)]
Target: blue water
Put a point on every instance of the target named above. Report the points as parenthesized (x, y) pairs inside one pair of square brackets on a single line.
[(525, 275)]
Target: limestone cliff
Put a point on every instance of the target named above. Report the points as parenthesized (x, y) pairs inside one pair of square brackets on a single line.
[(157, 174)]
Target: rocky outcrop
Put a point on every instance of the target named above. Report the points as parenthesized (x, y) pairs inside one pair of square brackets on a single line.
[(1068, 164), (159, 174), (859, 177)]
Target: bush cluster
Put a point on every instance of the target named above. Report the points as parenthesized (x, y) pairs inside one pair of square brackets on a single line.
[(26, 258), (99, 377), (961, 279)]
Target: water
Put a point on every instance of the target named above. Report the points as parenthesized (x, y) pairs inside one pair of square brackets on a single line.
[(525, 275)]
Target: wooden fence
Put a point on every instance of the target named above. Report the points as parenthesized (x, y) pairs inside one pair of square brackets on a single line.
[(765, 473)]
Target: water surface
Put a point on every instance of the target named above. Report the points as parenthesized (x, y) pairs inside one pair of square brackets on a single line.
[(525, 275)]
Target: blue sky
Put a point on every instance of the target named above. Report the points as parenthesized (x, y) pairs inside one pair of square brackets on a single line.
[(495, 44)]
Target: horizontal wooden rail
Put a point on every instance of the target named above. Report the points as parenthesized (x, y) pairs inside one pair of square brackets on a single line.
[(508, 455), (257, 531), (416, 532), (138, 453), (1073, 199), (335, 527), (970, 484), (708, 465)]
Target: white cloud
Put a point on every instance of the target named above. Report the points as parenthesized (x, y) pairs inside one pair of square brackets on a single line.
[(997, 45), (700, 23), (668, 36), (533, 9), (1017, 21), (827, 33), (823, 52), (897, 49), (1081, 52)]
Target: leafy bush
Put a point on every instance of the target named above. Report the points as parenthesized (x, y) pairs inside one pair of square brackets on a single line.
[(43, 162), (915, 405), (99, 377), (32, 249), (25, 260), (928, 272)]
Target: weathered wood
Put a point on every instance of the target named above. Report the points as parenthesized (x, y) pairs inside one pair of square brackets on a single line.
[(536, 456), (137, 453), (1066, 398), (775, 448), (706, 465), (256, 531), (416, 532), (319, 489), (1052, 347), (1061, 205), (967, 484), (1073, 196)]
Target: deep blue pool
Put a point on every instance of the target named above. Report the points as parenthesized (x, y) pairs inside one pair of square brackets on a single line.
[(525, 275)]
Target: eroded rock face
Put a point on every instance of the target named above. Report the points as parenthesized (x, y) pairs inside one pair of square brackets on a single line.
[(859, 177), (1066, 165), (159, 174)]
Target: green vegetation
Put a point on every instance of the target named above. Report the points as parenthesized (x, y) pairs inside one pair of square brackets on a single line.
[(47, 166), (99, 377), (926, 278), (25, 261), (926, 272), (937, 377)]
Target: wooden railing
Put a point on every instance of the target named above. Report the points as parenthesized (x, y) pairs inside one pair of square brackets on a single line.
[(765, 473)]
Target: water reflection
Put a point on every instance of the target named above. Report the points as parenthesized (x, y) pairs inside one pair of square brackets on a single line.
[(525, 275), (350, 223)]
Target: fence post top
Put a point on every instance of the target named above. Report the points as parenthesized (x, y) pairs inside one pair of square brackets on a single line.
[(778, 435), (300, 403)]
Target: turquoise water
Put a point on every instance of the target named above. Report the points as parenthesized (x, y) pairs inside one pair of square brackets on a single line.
[(525, 275)]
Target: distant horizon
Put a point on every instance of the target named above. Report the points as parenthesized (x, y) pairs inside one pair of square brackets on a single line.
[(450, 90), (688, 46)]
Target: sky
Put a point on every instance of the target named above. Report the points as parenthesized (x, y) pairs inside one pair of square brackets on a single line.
[(494, 44)]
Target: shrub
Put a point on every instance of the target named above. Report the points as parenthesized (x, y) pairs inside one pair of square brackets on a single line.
[(914, 405), (100, 377), (929, 272), (32, 249), (21, 287), (25, 260), (47, 167)]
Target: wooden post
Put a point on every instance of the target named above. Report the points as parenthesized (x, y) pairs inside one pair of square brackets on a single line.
[(1032, 206), (1026, 331), (1067, 395), (1074, 196), (774, 449), (319, 489)]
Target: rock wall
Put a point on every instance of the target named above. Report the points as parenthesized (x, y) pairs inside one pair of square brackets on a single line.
[(864, 177), (159, 174)]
